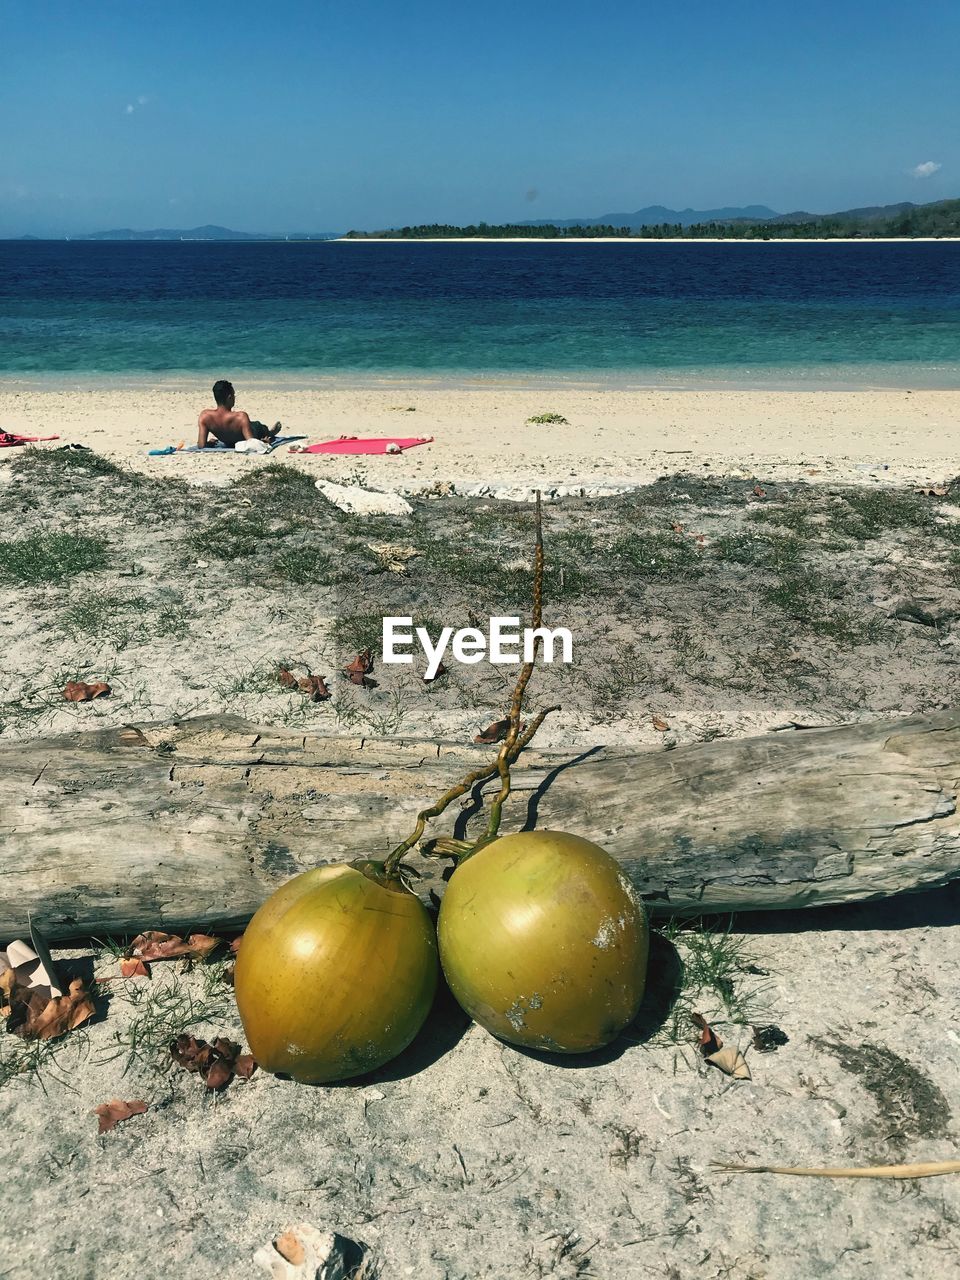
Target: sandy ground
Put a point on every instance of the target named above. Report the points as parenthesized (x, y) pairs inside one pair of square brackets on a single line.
[(696, 600), (614, 432), (468, 1160)]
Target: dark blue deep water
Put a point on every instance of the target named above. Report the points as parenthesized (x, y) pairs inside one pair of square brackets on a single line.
[(737, 311)]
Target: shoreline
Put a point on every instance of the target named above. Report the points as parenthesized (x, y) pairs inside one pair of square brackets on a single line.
[(614, 435), (635, 240), (840, 379)]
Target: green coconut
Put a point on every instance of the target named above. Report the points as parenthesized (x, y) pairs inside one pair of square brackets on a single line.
[(336, 973), (544, 942)]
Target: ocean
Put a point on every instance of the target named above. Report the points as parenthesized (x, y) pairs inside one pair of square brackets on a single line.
[(765, 313)]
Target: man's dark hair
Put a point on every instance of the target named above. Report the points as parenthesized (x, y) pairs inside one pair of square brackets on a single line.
[(222, 390)]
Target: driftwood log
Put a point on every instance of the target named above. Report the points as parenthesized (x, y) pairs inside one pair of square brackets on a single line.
[(194, 823)]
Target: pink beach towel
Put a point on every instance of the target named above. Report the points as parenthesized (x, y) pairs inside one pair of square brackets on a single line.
[(9, 438), (377, 444)]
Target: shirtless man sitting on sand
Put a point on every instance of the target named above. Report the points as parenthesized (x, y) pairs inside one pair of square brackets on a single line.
[(229, 425)]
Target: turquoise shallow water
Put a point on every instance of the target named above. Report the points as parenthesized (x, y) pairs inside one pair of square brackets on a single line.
[(804, 314)]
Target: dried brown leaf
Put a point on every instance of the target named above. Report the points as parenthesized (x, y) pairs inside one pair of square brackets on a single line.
[(133, 967), (218, 1074), (190, 1053), (440, 671), (79, 691), (709, 1041), (759, 491), (216, 1063), (112, 1113), (287, 678), (495, 732), (314, 687), (154, 945), (36, 1017), (660, 724), (245, 1065), (235, 944), (361, 665)]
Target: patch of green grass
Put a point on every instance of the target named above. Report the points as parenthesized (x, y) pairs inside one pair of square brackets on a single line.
[(121, 620), (759, 550), (690, 656), (354, 632), (262, 508), (233, 536), (316, 566), (69, 463), (571, 544), (548, 419), (280, 491), (33, 1061), (615, 679), (104, 615), (795, 515), (719, 976), (171, 1003), (257, 677), (513, 523), (867, 513), (171, 618), (308, 566), (810, 599), (663, 557), (501, 575), (801, 594), (50, 557)]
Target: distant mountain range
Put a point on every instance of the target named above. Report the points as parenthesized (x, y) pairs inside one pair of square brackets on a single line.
[(202, 233), (657, 214), (939, 218)]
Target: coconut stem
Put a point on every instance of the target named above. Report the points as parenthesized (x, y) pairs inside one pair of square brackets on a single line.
[(516, 704), (514, 742)]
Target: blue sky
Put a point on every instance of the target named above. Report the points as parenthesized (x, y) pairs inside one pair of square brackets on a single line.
[(297, 115)]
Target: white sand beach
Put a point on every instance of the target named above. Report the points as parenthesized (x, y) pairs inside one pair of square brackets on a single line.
[(647, 240), (614, 432), (702, 610)]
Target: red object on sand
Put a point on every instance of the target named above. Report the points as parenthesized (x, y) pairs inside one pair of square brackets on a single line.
[(9, 438), (376, 444)]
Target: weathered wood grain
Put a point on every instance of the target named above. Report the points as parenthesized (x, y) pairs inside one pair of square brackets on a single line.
[(194, 823)]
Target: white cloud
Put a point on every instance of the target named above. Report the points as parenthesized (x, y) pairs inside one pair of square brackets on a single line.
[(130, 109), (143, 99), (926, 170)]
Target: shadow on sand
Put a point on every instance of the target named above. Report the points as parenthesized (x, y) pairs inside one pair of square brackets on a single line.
[(929, 909)]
